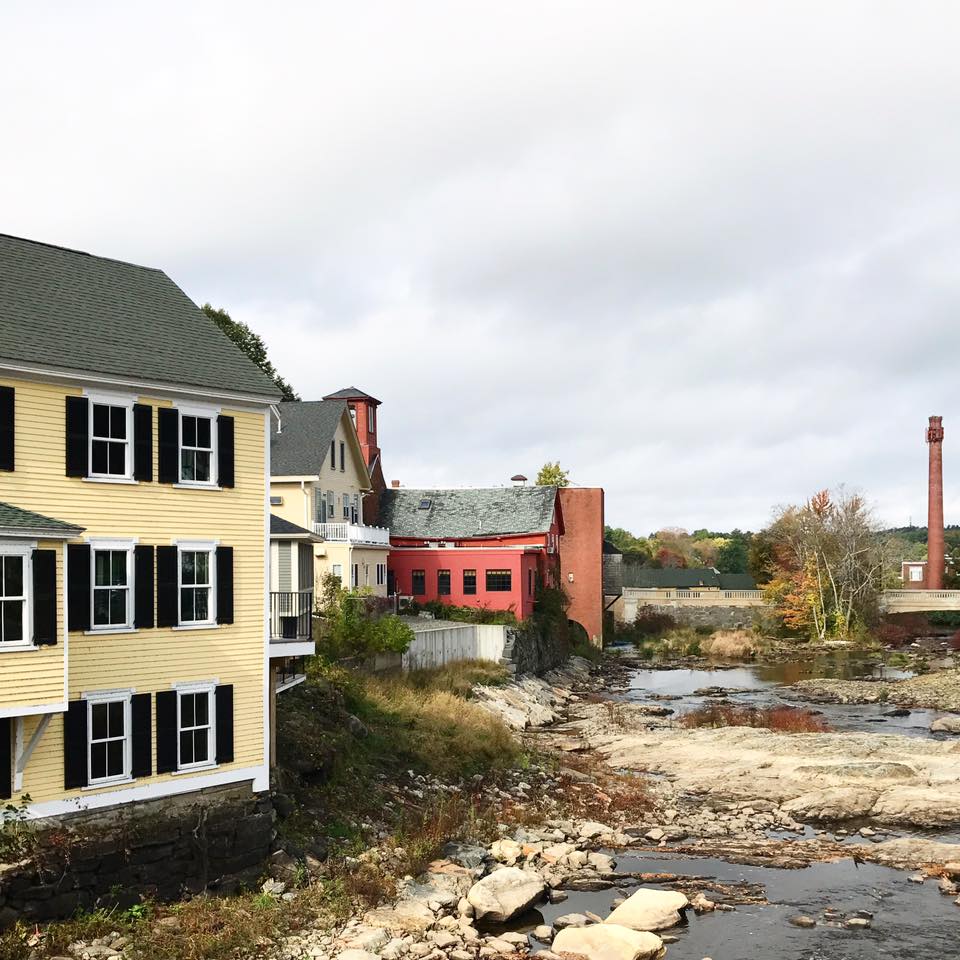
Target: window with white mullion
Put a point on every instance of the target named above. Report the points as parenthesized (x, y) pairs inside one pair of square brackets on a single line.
[(196, 580), (110, 440), (108, 722), (195, 729), (196, 449), (111, 595), (13, 599)]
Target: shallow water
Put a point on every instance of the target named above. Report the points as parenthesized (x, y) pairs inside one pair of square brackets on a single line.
[(763, 684), (911, 921)]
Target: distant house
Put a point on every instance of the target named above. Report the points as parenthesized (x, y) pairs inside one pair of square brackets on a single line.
[(478, 547), (318, 481), (679, 586)]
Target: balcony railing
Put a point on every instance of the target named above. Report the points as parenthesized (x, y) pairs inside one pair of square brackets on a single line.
[(353, 533), (291, 615)]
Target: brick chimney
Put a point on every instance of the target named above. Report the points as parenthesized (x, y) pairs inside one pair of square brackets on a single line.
[(935, 549)]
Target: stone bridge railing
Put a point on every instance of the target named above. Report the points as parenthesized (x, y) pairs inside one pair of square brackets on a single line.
[(920, 601)]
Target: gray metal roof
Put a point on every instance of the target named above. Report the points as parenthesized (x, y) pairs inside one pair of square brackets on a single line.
[(682, 578), (66, 309), (460, 514), (15, 520), (302, 446)]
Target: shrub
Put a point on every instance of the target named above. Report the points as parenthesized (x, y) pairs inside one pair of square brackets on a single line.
[(732, 645), (650, 622), (955, 641), (781, 719)]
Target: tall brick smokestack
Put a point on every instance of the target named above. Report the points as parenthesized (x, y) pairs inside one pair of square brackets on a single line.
[(935, 562)]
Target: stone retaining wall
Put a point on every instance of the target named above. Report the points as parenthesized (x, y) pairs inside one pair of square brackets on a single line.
[(719, 618), (213, 839)]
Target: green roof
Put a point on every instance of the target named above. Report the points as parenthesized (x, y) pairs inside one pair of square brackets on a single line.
[(301, 447), (463, 514), (684, 578), (68, 310), (16, 521)]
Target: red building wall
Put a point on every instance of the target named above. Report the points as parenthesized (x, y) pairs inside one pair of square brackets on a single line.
[(581, 557), (524, 566)]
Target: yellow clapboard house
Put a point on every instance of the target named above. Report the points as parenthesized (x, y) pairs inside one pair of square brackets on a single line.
[(135, 647)]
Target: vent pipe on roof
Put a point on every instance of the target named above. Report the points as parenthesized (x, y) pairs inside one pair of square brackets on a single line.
[(395, 484), (519, 480)]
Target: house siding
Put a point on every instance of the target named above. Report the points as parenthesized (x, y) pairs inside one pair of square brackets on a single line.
[(148, 660)]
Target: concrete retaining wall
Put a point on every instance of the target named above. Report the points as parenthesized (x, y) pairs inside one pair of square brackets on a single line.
[(440, 642), (720, 618)]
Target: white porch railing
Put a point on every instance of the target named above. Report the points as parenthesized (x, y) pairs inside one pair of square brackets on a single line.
[(353, 533)]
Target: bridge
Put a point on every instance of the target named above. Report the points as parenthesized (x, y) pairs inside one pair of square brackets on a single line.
[(920, 601)]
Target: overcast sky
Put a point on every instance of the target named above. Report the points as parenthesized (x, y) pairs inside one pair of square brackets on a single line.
[(704, 254)]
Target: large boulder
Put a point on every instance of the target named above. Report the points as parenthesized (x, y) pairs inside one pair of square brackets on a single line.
[(607, 941), (505, 893), (946, 725), (650, 909)]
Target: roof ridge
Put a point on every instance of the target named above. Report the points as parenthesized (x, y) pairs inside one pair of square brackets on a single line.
[(79, 253)]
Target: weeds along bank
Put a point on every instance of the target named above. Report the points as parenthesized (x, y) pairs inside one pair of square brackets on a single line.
[(376, 773)]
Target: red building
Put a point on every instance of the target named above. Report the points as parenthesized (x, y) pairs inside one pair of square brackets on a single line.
[(474, 547), (581, 558)]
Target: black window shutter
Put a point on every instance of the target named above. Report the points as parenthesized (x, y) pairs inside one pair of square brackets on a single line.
[(7, 431), (167, 607), (143, 589), (166, 731), (224, 698), (142, 442), (225, 471), (141, 740), (75, 745), (78, 425), (78, 586), (168, 445), (6, 759), (224, 584), (44, 597)]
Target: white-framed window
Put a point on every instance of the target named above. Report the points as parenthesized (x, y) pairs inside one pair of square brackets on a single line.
[(111, 586), (337, 570), (331, 502), (111, 430), (15, 579), (381, 574), (355, 576), (355, 509), (345, 503), (198, 448), (916, 574), (196, 719), (196, 582), (366, 574), (108, 737)]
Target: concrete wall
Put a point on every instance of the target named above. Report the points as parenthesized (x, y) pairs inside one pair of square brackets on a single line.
[(445, 642), (718, 617), (581, 557)]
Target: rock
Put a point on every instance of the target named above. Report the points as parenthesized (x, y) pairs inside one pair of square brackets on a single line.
[(444, 941), (498, 945), (952, 868), (464, 907), (701, 904), (405, 916), (570, 920), (650, 909), (588, 883), (947, 887), (945, 725), (356, 726), (867, 832), (556, 896), (543, 933), (460, 955), (370, 939), (855, 923), (505, 893), (655, 835), (802, 921), (506, 851), (517, 939), (608, 941), (465, 854), (357, 955), (273, 888), (602, 863), (917, 878), (590, 830)]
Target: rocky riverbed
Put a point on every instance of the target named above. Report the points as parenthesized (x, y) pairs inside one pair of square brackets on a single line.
[(935, 691)]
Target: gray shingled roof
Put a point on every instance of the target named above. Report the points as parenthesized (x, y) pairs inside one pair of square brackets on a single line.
[(67, 309), (635, 576), (737, 581), (15, 520), (284, 528), (459, 514), (350, 393), (302, 447)]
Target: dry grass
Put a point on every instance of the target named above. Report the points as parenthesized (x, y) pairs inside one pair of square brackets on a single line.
[(731, 645), (458, 678), (781, 719)]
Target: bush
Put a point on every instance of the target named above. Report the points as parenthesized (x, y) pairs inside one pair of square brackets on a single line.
[(650, 622), (781, 719), (732, 645), (356, 624), (955, 641)]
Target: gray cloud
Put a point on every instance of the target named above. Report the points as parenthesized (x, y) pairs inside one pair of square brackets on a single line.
[(704, 254)]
